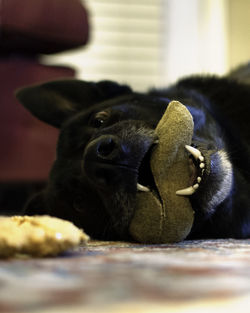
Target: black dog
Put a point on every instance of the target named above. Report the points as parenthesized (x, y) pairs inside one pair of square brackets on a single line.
[(107, 134)]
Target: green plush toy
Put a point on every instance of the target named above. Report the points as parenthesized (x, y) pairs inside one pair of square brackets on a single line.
[(164, 216)]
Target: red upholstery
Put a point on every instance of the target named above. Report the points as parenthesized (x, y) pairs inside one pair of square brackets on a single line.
[(42, 26), (27, 145), (28, 28)]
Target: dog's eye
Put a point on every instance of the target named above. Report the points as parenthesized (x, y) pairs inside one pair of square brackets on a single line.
[(99, 119)]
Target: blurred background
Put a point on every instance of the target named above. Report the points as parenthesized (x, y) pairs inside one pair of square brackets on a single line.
[(144, 43), (154, 42)]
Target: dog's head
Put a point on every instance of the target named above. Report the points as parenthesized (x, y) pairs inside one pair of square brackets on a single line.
[(103, 152)]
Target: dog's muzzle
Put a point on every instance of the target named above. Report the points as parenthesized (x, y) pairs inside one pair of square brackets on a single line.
[(104, 158)]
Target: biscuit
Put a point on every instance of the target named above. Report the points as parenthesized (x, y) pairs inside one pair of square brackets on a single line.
[(38, 235)]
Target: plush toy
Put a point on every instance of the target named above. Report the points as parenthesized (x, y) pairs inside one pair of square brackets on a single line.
[(162, 216)]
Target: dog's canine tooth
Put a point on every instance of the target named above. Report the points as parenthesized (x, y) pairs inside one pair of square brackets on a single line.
[(196, 186), (156, 142), (195, 152), (201, 158), (186, 192), (142, 188)]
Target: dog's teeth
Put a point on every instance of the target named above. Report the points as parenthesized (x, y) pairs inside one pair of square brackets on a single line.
[(198, 156), (156, 142), (196, 186), (142, 188), (201, 158), (186, 192), (195, 152)]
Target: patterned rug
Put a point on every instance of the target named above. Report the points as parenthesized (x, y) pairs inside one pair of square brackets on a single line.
[(191, 276)]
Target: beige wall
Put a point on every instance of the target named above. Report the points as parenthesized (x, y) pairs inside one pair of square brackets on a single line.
[(196, 38), (239, 31)]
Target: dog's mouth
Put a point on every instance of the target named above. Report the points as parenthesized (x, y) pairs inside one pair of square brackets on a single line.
[(197, 169), (145, 179), (197, 166)]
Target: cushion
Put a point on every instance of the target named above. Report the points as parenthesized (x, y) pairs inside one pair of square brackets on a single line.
[(28, 145), (42, 26)]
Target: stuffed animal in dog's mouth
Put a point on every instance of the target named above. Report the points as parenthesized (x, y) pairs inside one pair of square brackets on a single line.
[(165, 215)]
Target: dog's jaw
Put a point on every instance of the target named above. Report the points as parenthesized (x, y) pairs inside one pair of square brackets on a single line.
[(211, 179), (195, 183), (216, 185), (197, 169)]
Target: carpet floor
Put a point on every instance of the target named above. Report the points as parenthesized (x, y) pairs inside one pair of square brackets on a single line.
[(191, 276)]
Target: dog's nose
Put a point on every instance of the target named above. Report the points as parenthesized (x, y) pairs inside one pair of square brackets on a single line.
[(102, 160), (107, 147)]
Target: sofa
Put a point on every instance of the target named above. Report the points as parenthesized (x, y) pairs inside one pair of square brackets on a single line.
[(28, 30)]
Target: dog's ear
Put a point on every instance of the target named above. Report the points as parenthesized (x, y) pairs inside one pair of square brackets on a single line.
[(54, 102)]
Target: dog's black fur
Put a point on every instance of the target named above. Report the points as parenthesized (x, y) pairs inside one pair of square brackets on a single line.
[(107, 133)]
